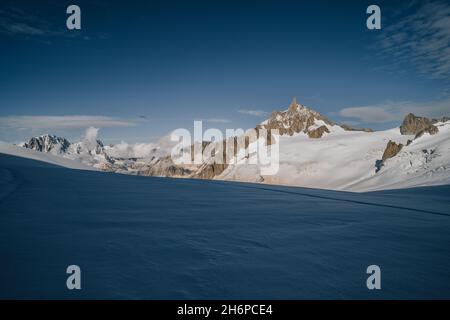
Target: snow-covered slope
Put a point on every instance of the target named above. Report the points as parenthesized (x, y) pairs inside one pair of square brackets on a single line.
[(424, 162), (346, 160), (7, 148), (331, 162), (340, 158)]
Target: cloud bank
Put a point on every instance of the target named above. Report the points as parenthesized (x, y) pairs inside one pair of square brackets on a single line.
[(256, 113), (396, 111), (62, 122), (218, 120)]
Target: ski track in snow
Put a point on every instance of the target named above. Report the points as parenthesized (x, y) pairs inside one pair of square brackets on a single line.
[(344, 200)]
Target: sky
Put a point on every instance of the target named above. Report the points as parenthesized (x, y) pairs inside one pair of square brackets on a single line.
[(139, 69)]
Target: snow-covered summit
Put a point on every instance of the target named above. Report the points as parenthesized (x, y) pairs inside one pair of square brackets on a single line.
[(48, 143), (89, 151)]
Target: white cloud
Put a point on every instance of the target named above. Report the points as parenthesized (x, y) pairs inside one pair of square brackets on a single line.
[(90, 138), (161, 147), (421, 39), (17, 21), (256, 113), (62, 122), (368, 114), (396, 111), (137, 150)]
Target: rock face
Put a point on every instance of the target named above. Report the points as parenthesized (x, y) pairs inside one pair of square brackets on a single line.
[(91, 153), (48, 143), (431, 129), (209, 171), (297, 118), (165, 168), (318, 133), (392, 149), (412, 125)]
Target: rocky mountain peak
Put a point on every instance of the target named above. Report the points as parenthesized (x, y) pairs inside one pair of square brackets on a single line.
[(48, 143), (294, 106), (412, 124), (392, 149), (297, 118), (89, 151)]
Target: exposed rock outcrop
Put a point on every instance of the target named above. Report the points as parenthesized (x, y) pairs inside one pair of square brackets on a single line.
[(47, 143), (209, 171), (297, 118), (90, 152), (412, 125), (210, 168), (318, 133), (165, 167), (392, 149), (431, 129)]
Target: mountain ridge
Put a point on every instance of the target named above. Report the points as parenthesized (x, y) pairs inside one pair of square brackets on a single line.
[(314, 152)]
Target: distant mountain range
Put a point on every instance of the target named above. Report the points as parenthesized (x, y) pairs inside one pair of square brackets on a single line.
[(314, 152)]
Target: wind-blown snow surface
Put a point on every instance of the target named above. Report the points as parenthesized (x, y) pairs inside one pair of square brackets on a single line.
[(146, 237)]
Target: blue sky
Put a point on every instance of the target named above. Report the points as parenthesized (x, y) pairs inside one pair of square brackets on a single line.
[(140, 69)]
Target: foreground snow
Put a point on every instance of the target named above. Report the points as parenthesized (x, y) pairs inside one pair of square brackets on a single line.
[(146, 237)]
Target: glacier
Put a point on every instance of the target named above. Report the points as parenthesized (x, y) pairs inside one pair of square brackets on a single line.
[(161, 238)]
